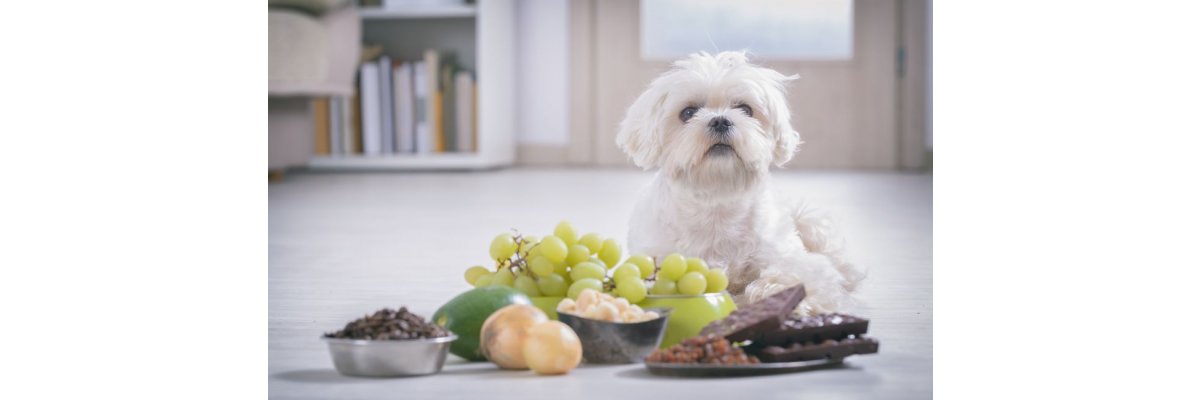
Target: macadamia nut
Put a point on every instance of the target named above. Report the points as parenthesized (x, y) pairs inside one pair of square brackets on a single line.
[(595, 305)]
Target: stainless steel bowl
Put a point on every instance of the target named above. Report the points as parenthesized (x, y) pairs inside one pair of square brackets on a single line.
[(616, 342), (385, 358)]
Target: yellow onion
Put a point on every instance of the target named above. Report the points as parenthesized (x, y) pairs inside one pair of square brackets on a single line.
[(503, 334), (552, 348)]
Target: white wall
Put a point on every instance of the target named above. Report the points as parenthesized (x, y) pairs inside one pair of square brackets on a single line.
[(542, 103)]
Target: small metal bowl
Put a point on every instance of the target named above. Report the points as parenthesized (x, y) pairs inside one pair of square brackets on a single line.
[(617, 342), (388, 358)]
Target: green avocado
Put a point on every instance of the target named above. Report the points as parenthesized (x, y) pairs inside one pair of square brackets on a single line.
[(464, 315)]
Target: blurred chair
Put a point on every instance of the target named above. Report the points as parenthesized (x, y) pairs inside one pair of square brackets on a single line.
[(313, 51)]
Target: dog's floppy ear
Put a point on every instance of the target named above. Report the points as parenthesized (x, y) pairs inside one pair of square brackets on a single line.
[(780, 118), (640, 135)]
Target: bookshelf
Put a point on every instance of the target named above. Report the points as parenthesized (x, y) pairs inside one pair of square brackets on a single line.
[(482, 37)]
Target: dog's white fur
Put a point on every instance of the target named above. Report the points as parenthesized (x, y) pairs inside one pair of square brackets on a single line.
[(718, 205)]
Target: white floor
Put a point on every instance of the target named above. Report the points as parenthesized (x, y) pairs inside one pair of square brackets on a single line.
[(342, 245)]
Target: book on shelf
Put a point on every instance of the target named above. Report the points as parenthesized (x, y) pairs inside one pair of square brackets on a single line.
[(464, 111), (340, 126), (474, 117), (320, 113), (372, 118), (353, 124), (337, 117), (336, 130), (433, 100), (334, 143), (421, 110), (386, 142), (402, 79), (439, 124), (401, 107), (446, 87), (387, 110)]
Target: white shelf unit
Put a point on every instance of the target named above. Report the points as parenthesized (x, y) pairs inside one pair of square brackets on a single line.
[(483, 39)]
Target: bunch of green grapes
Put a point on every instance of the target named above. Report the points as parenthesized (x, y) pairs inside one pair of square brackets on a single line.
[(560, 264), (674, 275), (691, 276), (564, 264)]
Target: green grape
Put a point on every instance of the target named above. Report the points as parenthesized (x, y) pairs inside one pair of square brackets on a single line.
[(474, 273), (561, 268), (541, 266), (692, 283), (695, 264), (717, 281), (673, 267), (483, 281), (527, 285), (632, 289), (530, 247), (593, 241), (644, 263), (576, 254), (503, 247), (553, 248), (663, 287), (502, 278), (587, 270), (610, 252), (528, 242), (626, 271), (566, 232), (588, 283), (552, 285)]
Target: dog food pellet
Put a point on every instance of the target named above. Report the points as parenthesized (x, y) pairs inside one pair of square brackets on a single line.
[(387, 324)]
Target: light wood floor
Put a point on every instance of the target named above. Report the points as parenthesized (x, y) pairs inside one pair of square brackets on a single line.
[(342, 245)]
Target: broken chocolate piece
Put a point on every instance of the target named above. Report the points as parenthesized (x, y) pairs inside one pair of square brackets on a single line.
[(828, 349), (816, 328), (753, 320)]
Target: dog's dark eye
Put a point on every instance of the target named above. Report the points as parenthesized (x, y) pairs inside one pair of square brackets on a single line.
[(687, 113), (746, 109)]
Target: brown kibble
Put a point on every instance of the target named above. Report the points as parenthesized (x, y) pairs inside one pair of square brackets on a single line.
[(386, 324)]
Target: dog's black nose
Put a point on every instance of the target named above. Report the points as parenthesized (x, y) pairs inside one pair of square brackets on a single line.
[(719, 124)]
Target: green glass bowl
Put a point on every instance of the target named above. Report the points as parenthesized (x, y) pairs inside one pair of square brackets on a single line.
[(689, 313), (548, 304)]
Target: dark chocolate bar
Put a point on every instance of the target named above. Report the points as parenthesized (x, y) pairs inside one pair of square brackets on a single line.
[(828, 349), (816, 328), (753, 320)]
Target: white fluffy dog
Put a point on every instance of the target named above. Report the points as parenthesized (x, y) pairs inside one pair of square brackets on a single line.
[(713, 126)]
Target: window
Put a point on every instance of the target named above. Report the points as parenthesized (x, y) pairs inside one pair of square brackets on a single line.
[(777, 29)]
